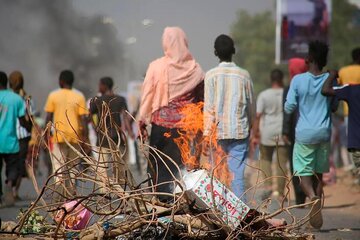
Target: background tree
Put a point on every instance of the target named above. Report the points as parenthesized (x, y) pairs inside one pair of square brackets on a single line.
[(344, 33), (254, 37)]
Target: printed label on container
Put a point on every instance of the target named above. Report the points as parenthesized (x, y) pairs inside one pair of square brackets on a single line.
[(232, 208)]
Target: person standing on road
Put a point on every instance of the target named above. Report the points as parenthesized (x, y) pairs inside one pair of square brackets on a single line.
[(268, 131), (110, 123), (16, 82), (66, 108), (171, 82), (296, 66), (12, 108), (229, 105), (313, 129), (350, 94), (350, 75)]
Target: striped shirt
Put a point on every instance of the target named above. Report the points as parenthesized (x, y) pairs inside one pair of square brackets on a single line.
[(21, 132), (229, 102)]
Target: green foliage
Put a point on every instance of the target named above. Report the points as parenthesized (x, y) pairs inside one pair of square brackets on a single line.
[(344, 34), (254, 37), (34, 223)]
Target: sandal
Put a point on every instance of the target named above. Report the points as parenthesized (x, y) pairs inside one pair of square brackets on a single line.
[(316, 220)]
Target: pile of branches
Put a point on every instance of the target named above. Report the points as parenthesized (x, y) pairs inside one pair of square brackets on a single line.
[(122, 208)]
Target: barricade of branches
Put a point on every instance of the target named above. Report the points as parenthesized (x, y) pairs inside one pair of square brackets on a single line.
[(93, 194)]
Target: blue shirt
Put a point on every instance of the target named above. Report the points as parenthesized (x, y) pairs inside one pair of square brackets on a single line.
[(11, 108), (351, 94), (314, 123)]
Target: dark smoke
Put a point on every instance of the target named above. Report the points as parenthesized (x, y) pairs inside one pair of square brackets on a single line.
[(41, 38)]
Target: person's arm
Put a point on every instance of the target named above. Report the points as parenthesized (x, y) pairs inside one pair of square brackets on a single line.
[(145, 108), (84, 113), (209, 106), (251, 102), (25, 123), (287, 126), (49, 117), (22, 115), (127, 121), (85, 130), (127, 125), (199, 92), (49, 109), (255, 138), (93, 107), (93, 110), (209, 114), (291, 98), (327, 89), (147, 97)]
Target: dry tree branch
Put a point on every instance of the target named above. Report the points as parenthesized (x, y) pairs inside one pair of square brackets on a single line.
[(117, 198)]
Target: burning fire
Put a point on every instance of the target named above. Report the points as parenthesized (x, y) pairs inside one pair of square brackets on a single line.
[(192, 144)]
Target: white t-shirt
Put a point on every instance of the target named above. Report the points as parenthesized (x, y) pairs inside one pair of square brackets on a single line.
[(270, 105)]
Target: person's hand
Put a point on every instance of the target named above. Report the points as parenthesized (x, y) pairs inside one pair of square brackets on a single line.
[(131, 135), (85, 144), (286, 140), (206, 146), (143, 132), (333, 73), (254, 141), (47, 135)]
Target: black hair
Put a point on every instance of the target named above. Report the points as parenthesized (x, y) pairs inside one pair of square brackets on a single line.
[(224, 46), (318, 52), (3, 79), (355, 53), (277, 76), (108, 82), (67, 76)]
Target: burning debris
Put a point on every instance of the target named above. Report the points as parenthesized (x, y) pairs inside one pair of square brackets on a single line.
[(109, 206)]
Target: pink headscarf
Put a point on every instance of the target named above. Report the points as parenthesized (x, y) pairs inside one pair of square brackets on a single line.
[(171, 76), (297, 66)]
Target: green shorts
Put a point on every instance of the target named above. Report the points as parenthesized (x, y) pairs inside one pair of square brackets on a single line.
[(309, 159)]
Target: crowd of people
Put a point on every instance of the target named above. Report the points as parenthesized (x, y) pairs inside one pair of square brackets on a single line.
[(294, 122)]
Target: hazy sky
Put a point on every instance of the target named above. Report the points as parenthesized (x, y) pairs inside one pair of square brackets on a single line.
[(202, 20)]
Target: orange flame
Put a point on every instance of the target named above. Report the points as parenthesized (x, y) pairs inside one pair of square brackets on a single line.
[(167, 134), (191, 142)]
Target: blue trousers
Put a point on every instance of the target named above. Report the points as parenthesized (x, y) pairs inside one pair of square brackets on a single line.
[(237, 151)]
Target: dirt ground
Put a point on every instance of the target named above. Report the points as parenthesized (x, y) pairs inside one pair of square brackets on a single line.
[(341, 211)]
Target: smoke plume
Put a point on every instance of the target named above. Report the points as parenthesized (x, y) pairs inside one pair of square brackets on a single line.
[(41, 38)]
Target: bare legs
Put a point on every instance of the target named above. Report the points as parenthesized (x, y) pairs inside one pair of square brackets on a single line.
[(312, 185), (313, 188)]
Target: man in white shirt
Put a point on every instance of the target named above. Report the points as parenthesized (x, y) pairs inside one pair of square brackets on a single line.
[(268, 131)]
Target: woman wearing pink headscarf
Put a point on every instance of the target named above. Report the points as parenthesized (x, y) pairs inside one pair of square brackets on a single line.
[(171, 82)]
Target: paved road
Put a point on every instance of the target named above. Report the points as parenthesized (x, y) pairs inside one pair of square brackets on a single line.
[(341, 212)]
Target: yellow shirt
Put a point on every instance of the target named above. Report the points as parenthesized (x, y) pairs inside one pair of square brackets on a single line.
[(349, 75), (67, 105)]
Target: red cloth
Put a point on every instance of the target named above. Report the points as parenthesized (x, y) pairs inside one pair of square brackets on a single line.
[(170, 115), (297, 66)]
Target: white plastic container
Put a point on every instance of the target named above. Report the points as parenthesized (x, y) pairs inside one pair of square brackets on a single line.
[(198, 187)]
